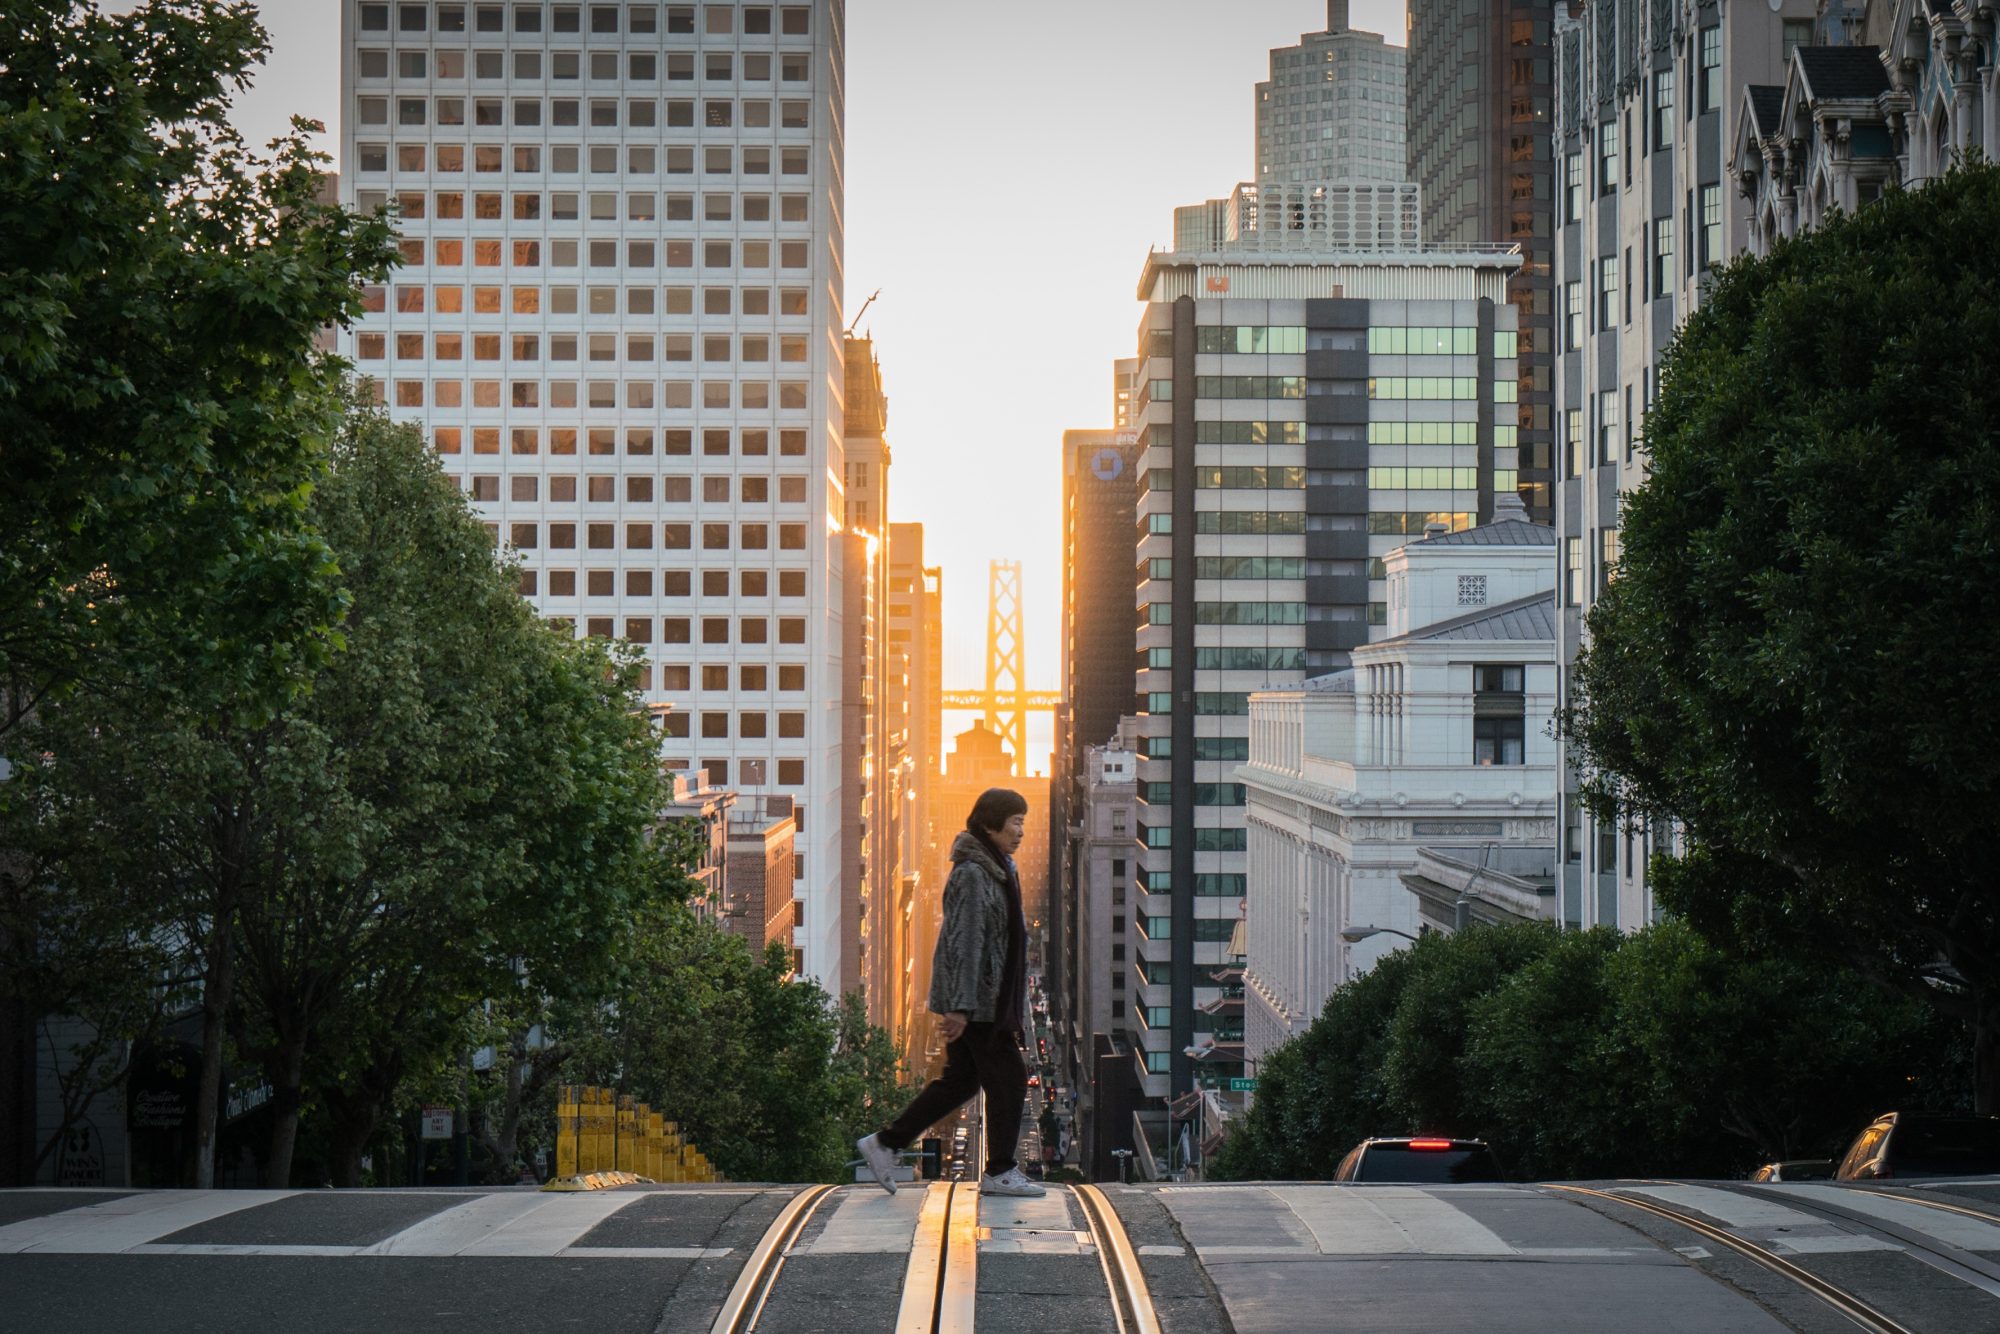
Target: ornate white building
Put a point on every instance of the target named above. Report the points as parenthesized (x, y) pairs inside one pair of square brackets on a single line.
[(1917, 88), (1435, 741)]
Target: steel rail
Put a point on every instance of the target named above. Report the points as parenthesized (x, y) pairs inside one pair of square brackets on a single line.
[(923, 1277), (1846, 1303), (746, 1299), (1980, 1214), (1131, 1303), (1966, 1266)]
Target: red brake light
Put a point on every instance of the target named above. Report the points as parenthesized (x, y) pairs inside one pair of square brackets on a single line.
[(1430, 1144)]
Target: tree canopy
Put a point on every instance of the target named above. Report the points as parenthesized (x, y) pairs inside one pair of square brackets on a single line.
[(1793, 662), (1592, 1054), (163, 410)]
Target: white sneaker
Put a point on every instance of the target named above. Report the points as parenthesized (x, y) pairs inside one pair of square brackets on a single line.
[(1011, 1182), (880, 1161)]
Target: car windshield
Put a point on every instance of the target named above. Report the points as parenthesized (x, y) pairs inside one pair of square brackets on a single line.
[(1968, 1145), (1399, 1162)]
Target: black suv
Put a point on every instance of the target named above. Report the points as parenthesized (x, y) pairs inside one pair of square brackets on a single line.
[(1923, 1144), (1419, 1160)]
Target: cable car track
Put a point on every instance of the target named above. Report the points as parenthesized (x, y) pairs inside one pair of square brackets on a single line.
[(940, 1276), (1860, 1312)]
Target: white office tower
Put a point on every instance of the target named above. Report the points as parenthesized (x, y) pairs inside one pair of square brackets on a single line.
[(618, 317)]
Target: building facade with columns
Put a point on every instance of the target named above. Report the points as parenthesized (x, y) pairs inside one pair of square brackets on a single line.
[(1434, 741)]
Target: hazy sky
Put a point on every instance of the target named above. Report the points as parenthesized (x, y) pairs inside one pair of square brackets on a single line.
[(1008, 166)]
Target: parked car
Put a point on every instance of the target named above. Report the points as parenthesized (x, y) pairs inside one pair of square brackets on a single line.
[(1419, 1159), (1923, 1144), (1795, 1169)]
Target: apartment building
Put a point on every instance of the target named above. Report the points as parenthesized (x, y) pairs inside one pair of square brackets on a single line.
[(1105, 816), (1646, 96), (618, 319), (759, 861)]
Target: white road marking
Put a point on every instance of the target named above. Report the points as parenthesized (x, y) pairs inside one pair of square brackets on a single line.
[(452, 1230), (552, 1226), (135, 1220), (1388, 1220), (868, 1222), (1031, 1225), (1969, 1234), (1762, 1219), (1035, 1241), (1728, 1206), (567, 1253), (1158, 1249), (643, 1252)]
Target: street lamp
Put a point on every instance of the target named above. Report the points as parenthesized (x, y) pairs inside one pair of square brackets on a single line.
[(1355, 934)]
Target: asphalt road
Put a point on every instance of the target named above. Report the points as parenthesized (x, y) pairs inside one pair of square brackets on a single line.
[(1248, 1258)]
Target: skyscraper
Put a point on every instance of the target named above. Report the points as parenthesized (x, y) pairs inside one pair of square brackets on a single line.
[(1099, 505), (1289, 443), (1480, 129), (618, 318), (914, 710), (1332, 109), (870, 793)]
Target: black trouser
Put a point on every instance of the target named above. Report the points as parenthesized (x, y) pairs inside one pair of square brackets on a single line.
[(983, 1057)]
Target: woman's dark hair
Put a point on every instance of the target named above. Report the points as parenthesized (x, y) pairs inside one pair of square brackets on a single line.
[(996, 806)]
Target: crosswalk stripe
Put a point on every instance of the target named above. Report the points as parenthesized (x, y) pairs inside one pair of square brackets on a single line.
[(554, 1224), (135, 1220), (868, 1222), (1031, 1225), (1727, 1206), (1763, 1219), (1388, 1220), (1953, 1229), (452, 1230), (644, 1252)]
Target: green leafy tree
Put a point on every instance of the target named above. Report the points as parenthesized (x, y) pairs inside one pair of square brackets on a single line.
[(464, 800), (869, 1080), (1451, 976), (1784, 1057), (458, 811), (133, 819), (763, 1072), (1795, 660), (1543, 1069), (1322, 1092), (1591, 1054), (163, 411)]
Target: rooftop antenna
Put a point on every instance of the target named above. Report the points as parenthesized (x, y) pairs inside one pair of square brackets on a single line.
[(863, 311)]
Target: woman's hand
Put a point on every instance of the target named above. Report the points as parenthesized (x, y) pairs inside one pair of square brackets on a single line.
[(953, 1025)]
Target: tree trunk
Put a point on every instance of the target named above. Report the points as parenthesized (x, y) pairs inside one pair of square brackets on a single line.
[(217, 994), (1986, 1061), (287, 1100), (505, 1149), (348, 1136)]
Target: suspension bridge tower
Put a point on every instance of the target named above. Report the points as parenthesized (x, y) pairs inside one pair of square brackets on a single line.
[(1006, 672)]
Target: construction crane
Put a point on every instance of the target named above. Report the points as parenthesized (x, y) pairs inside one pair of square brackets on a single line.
[(863, 311)]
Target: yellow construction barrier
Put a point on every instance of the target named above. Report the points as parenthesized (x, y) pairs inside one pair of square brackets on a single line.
[(606, 1139)]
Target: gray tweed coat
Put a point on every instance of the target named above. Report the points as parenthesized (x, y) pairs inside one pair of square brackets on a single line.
[(971, 955)]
